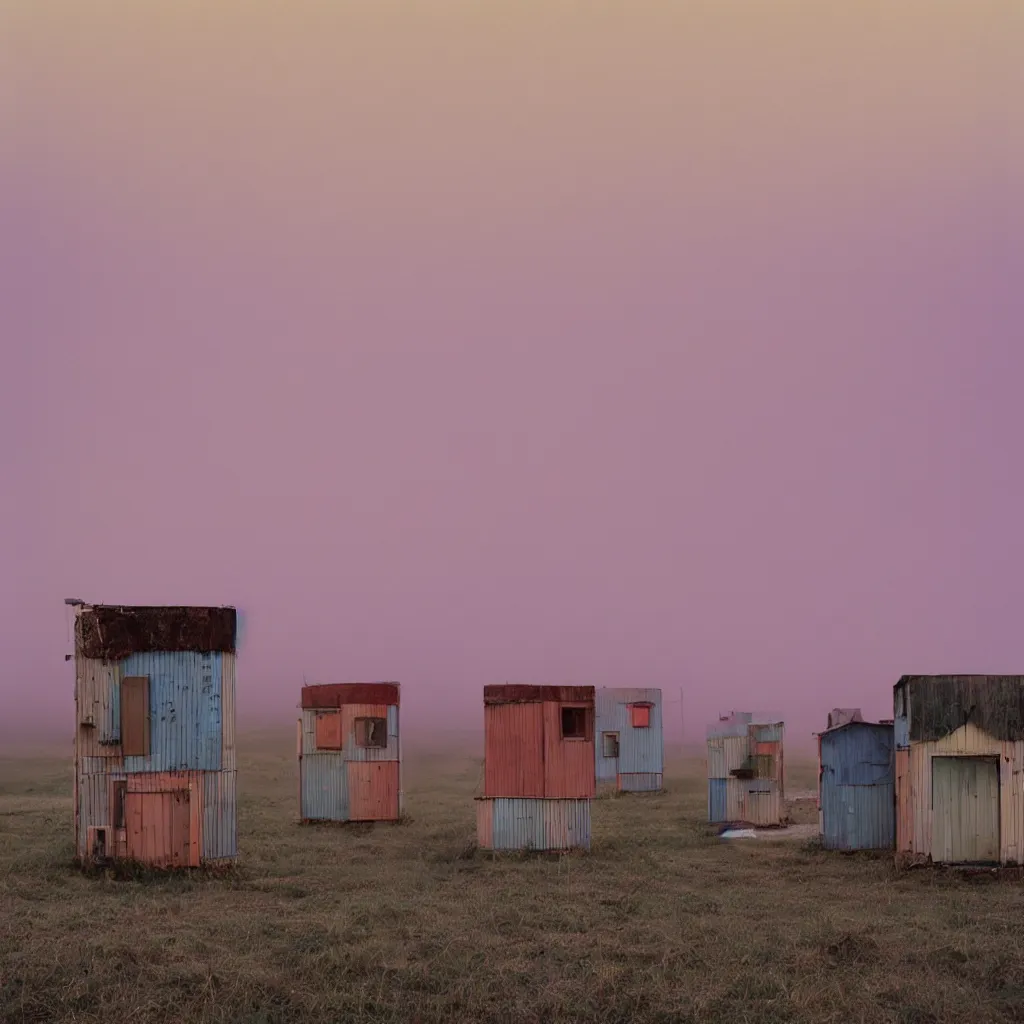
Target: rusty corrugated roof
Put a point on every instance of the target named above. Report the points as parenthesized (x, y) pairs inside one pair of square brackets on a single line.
[(334, 695), (515, 694)]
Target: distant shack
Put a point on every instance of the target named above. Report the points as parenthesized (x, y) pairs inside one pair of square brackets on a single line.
[(350, 753), (745, 770), (959, 769), (538, 768), (629, 749), (856, 774), (155, 735)]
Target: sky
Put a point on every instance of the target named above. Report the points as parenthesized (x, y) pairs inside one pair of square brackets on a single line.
[(667, 344)]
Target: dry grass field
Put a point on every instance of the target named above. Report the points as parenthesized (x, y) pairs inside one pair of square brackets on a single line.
[(662, 922)]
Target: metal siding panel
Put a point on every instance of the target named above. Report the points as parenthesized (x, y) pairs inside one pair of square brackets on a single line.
[(485, 824), (93, 807), (859, 755), (641, 750), (97, 698), (185, 709), (324, 782), (524, 824), (857, 817), (517, 825), (308, 720), (726, 753), (566, 824), (717, 801), (220, 828), (228, 671), (772, 733), (639, 782), (568, 763), (904, 803), (754, 801), (514, 750), (857, 788), (901, 732), (372, 790), (737, 750)]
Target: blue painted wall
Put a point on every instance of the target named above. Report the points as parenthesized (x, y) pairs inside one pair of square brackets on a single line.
[(641, 751), (184, 708), (857, 787), (717, 800)]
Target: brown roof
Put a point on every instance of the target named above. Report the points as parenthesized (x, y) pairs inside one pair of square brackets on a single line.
[(519, 694), (113, 632), (334, 695), (939, 705)]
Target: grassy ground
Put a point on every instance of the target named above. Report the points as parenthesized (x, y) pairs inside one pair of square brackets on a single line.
[(662, 922)]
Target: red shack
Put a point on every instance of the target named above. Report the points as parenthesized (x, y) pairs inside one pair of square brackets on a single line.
[(539, 775)]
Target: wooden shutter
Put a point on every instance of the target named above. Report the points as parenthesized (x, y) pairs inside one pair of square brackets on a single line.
[(135, 716)]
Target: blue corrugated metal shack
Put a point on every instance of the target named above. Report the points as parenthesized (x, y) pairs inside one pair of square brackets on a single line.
[(856, 794), (629, 751)]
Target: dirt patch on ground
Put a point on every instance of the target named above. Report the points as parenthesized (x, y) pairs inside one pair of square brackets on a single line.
[(802, 811)]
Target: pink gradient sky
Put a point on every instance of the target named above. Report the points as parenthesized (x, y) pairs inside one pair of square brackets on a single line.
[(674, 344)]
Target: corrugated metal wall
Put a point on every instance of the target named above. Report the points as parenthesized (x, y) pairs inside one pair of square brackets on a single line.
[(753, 801), (342, 785), (726, 753), (914, 811), (185, 710), (514, 750), (742, 742), (641, 751), (220, 835), (324, 790), (192, 730), (568, 763), (717, 801), (514, 824), (857, 787)]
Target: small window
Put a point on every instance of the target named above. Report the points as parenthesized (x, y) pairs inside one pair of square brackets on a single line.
[(574, 723), (117, 792), (371, 732), (640, 716), (609, 744)]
